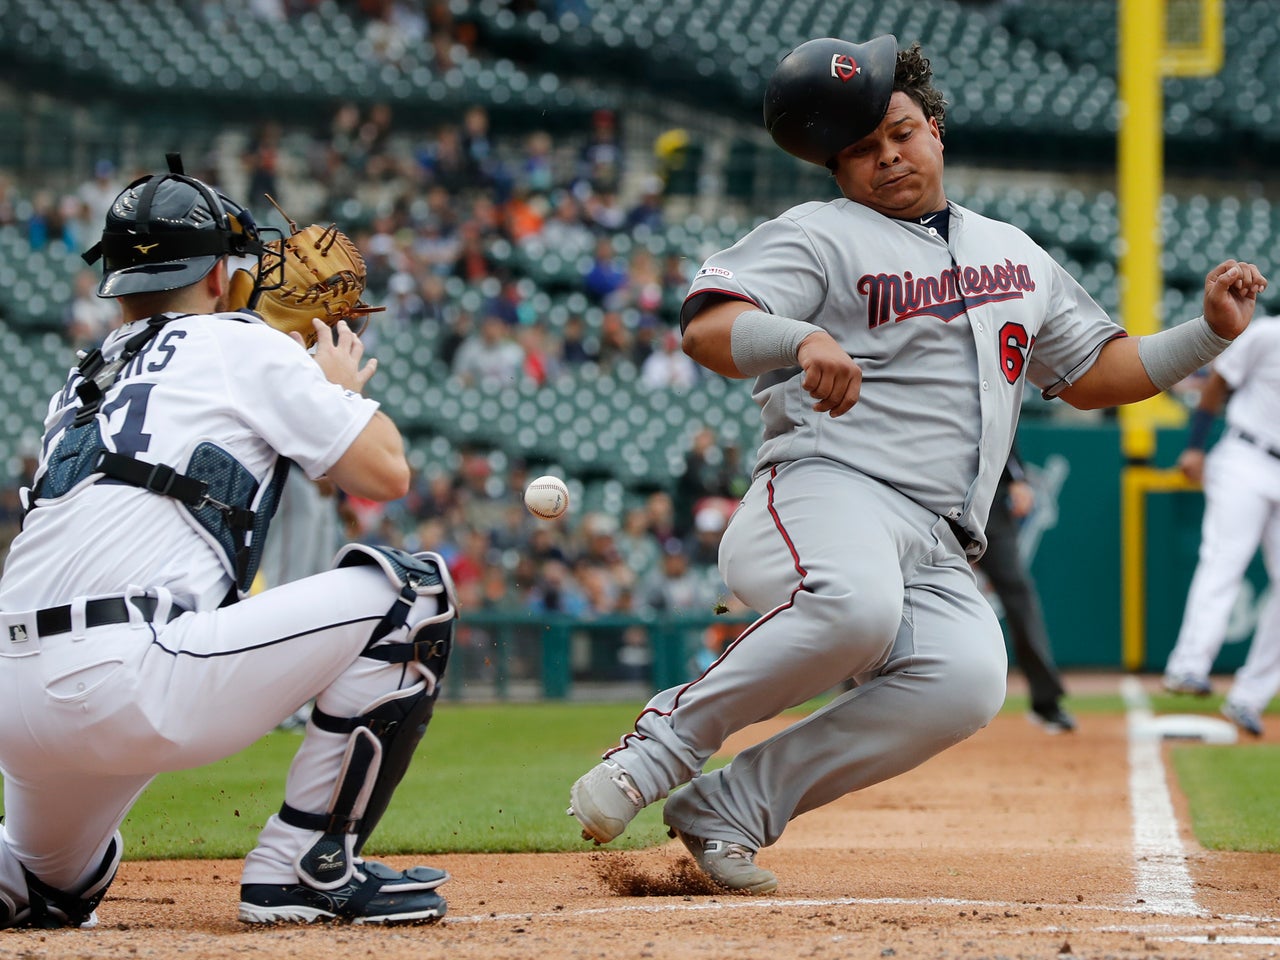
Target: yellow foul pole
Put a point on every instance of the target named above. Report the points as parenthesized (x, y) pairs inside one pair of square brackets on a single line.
[(1141, 182)]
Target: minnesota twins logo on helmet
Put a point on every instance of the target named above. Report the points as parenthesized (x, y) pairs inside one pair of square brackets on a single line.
[(814, 119), (844, 67)]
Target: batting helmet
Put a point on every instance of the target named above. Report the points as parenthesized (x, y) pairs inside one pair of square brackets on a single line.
[(828, 93), (166, 231)]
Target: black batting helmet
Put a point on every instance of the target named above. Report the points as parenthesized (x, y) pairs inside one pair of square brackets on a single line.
[(166, 231), (828, 93)]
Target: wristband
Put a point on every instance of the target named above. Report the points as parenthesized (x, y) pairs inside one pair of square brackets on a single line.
[(1201, 422), (760, 342), (1171, 355)]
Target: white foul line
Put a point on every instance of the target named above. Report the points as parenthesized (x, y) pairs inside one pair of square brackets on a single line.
[(1160, 861)]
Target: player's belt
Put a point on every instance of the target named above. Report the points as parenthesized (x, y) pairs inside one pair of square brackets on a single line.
[(1249, 438), (99, 613)]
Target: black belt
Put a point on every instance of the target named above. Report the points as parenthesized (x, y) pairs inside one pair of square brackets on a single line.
[(99, 613), (1251, 439)]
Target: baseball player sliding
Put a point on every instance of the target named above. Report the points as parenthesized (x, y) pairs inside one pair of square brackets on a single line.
[(891, 334), (127, 644)]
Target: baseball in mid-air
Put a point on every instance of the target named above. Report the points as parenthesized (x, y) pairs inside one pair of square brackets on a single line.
[(547, 497)]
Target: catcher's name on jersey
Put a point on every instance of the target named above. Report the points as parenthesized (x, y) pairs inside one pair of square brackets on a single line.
[(947, 331), (227, 379)]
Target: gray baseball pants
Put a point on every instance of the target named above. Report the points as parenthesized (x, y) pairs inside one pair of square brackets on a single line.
[(857, 582)]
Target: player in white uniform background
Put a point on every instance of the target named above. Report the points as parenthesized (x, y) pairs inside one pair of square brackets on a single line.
[(126, 648), (1241, 478), (891, 335)]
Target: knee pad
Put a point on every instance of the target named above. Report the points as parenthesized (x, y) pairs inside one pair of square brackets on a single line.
[(382, 739), (414, 576), (50, 907)]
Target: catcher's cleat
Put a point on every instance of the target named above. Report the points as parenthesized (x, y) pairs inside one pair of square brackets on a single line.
[(1246, 718), (604, 799), (378, 895), (731, 865), (1187, 683)]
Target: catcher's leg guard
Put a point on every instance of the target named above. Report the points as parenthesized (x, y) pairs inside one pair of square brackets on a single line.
[(383, 738), (50, 907)]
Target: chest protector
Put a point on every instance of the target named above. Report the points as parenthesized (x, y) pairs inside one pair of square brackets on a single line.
[(221, 499)]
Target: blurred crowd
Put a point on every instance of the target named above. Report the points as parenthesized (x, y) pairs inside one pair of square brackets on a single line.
[(444, 199)]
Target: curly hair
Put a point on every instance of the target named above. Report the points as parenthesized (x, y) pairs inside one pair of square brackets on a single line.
[(914, 76)]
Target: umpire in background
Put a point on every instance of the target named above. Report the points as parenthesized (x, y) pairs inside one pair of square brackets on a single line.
[(1011, 579)]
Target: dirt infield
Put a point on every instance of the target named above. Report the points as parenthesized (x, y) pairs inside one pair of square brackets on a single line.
[(1014, 844)]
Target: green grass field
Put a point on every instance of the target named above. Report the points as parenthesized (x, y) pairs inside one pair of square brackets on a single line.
[(495, 778)]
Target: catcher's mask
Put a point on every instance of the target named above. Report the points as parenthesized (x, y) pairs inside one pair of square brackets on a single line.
[(167, 230), (827, 94)]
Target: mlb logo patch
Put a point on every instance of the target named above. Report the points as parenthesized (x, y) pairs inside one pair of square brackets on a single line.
[(715, 272), (17, 633)]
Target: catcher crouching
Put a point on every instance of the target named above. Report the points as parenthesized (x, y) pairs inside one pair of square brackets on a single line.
[(129, 643)]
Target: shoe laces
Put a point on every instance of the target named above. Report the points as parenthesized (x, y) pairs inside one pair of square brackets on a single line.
[(731, 851)]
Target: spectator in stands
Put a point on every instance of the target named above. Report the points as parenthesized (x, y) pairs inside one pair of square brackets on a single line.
[(600, 161), (638, 547), (541, 363), (436, 245), (675, 587), (669, 366), (489, 358), (97, 193), (574, 349), (702, 476), (261, 162), (537, 168), (474, 263), (648, 214), (404, 308), (604, 213), (437, 309), (615, 341), (524, 214), (645, 339), (605, 275), (461, 327), (660, 509), (555, 591), (566, 232), (643, 291), (89, 318)]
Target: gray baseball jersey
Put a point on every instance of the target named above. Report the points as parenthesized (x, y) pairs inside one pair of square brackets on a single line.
[(947, 331)]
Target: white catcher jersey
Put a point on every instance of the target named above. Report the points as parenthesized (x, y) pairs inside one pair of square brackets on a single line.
[(947, 331), (227, 378), (1251, 368)]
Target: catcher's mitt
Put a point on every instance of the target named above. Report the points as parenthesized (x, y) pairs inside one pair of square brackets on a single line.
[(316, 272)]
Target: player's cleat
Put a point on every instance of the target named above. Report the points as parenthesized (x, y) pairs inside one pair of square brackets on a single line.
[(1053, 720), (604, 799), (1187, 683), (731, 865), (1246, 718), (380, 895)]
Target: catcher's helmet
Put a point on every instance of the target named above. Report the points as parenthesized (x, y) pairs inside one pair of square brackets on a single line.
[(167, 231), (828, 93)]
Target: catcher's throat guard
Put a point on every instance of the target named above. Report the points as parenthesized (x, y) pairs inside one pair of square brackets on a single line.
[(382, 739)]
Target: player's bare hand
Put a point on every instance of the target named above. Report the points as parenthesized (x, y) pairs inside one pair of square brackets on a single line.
[(1230, 293), (1191, 463), (338, 353), (831, 376)]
